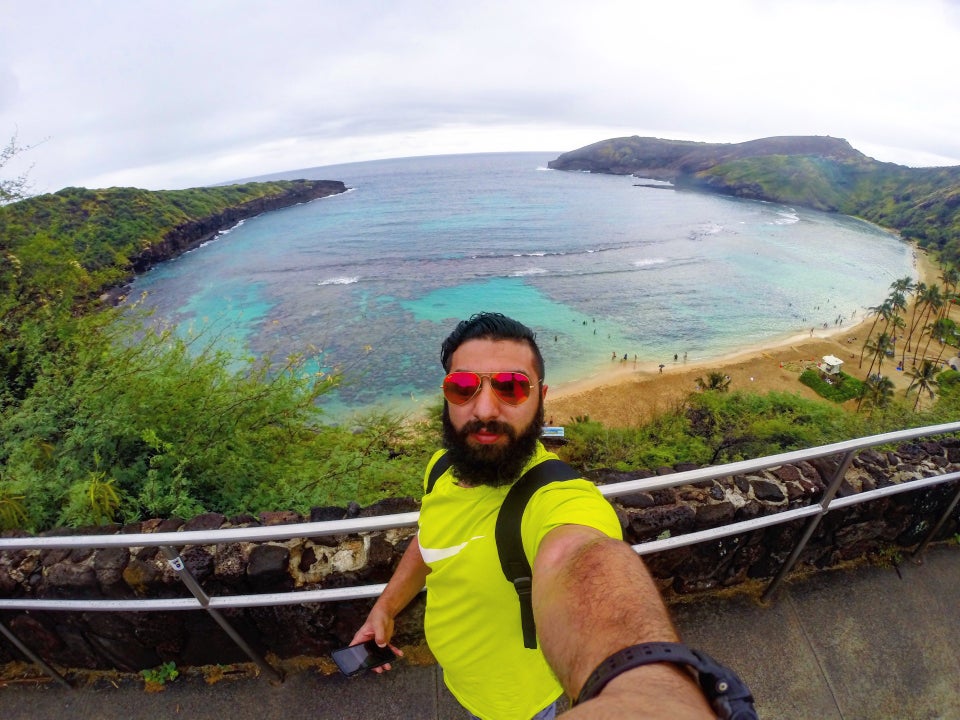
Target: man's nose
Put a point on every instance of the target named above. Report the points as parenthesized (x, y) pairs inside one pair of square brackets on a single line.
[(486, 405)]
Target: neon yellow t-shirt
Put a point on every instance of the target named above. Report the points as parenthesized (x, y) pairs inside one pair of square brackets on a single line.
[(472, 619)]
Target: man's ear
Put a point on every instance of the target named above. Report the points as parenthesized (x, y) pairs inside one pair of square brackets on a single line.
[(543, 392)]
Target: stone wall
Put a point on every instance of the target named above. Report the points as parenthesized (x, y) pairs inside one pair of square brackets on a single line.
[(133, 641)]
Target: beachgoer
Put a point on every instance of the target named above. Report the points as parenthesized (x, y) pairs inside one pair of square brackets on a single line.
[(593, 598), (661, 368)]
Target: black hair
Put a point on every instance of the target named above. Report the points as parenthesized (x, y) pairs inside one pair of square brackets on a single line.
[(490, 326)]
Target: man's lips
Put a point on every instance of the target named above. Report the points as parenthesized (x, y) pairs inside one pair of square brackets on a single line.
[(486, 437)]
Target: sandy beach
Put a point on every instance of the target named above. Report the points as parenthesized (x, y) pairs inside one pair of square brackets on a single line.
[(631, 394)]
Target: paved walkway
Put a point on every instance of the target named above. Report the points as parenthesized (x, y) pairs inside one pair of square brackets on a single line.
[(865, 644)]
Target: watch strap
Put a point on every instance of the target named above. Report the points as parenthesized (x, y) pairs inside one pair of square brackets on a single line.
[(634, 657)]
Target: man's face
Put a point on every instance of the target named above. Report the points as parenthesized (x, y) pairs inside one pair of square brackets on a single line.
[(490, 440)]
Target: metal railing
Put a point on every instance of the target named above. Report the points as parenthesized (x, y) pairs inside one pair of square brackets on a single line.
[(200, 600)]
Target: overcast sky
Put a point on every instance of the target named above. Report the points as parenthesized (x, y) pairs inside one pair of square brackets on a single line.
[(179, 93)]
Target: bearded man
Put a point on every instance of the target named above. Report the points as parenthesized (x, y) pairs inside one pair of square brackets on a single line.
[(592, 595)]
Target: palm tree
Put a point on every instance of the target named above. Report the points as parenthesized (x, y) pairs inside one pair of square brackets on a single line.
[(889, 310), (901, 288), (898, 298), (879, 351), (884, 311), (944, 329), (934, 301), (714, 381), (898, 324), (950, 277), (903, 285), (923, 380), (876, 391), (920, 289)]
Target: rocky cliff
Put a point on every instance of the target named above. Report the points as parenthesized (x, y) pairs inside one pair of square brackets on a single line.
[(196, 232)]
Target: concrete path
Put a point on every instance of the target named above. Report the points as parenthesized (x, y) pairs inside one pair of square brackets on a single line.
[(872, 643)]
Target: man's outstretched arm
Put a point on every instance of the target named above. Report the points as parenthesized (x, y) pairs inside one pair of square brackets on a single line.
[(593, 596)]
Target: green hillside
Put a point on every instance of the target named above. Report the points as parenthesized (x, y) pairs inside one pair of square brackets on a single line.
[(92, 240)]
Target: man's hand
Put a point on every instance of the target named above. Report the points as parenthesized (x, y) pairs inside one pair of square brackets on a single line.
[(379, 628)]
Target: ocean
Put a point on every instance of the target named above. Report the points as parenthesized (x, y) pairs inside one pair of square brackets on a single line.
[(369, 282)]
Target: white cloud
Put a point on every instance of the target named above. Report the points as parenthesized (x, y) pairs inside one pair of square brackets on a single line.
[(178, 93)]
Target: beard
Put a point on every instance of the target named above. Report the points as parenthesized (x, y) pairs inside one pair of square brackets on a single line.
[(492, 465)]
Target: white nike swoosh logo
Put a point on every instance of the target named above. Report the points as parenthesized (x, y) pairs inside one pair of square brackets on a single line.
[(432, 555)]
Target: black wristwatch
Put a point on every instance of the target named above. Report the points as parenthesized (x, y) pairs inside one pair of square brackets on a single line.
[(729, 696)]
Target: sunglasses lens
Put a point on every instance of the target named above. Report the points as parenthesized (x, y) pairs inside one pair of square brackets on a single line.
[(511, 388), (459, 387)]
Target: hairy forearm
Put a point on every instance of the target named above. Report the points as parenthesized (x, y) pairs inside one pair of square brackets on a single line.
[(593, 596)]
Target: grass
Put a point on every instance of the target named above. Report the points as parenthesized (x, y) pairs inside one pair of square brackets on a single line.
[(839, 388)]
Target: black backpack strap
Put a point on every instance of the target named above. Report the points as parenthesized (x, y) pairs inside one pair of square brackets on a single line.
[(513, 560), (438, 469)]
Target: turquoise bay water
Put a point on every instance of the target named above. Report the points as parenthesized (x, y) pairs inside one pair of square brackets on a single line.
[(372, 280)]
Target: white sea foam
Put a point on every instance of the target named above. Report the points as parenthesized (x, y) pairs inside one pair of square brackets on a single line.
[(528, 271), (340, 281), (787, 217), (648, 262), (232, 228), (657, 183), (220, 234)]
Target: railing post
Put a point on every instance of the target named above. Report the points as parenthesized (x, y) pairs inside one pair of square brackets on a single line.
[(47, 668), (812, 524), (176, 562), (936, 528)]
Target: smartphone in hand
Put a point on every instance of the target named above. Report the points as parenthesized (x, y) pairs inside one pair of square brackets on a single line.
[(364, 656)]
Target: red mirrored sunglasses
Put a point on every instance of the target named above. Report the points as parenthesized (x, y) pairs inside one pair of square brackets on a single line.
[(461, 387)]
